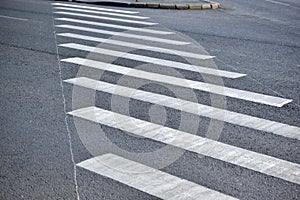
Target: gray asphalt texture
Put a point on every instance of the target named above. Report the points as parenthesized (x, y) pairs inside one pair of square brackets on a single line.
[(259, 38)]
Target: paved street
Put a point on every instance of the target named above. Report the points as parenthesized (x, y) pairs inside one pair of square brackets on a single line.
[(103, 102)]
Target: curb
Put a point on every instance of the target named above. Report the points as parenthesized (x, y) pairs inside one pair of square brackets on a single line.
[(208, 5)]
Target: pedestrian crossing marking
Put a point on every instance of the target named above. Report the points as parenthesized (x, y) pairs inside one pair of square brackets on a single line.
[(137, 46), (153, 60), (122, 34), (206, 87), (105, 18), (248, 121), (149, 180), (241, 157), (145, 30), (100, 12), (95, 8), (158, 183)]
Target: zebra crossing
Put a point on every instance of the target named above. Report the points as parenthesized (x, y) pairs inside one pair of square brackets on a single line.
[(113, 26), (251, 160), (74, 18), (157, 61), (230, 92), (186, 106), (104, 18), (170, 187), (100, 12), (141, 37)]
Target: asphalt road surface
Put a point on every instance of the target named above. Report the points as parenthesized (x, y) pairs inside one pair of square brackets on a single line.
[(121, 103)]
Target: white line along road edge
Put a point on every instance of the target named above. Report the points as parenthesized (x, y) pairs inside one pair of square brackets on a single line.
[(95, 8), (106, 18), (137, 46), (225, 91), (157, 61), (145, 30), (248, 121), (241, 157), (149, 180)]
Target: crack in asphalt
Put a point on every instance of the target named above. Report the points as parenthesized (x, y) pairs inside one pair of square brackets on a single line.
[(66, 116)]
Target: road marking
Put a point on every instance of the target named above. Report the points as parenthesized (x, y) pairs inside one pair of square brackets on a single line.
[(147, 179), (115, 26), (280, 3), (95, 8), (106, 18), (221, 90), (100, 12), (16, 18), (122, 34), (241, 157), (137, 46), (157, 61), (248, 121)]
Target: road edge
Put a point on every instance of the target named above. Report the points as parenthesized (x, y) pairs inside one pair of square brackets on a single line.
[(175, 6)]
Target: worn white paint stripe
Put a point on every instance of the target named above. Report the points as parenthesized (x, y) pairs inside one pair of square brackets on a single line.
[(122, 34), (95, 8), (16, 18), (241, 157), (277, 2), (248, 121), (100, 12), (106, 18), (147, 179), (221, 90), (157, 61), (137, 46), (145, 30)]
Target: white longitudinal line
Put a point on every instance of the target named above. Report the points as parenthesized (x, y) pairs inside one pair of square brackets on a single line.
[(136, 46), (149, 180), (122, 34), (106, 18), (260, 124), (277, 2), (221, 90), (241, 157), (100, 12), (95, 8), (16, 18), (157, 61), (145, 30)]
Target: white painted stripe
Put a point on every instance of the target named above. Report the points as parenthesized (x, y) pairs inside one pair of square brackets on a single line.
[(241, 157), (147, 179), (137, 46), (248, 121), (157, 61), (95, 8), (122, 34), (145, 30), (280, 3), (16, 18), (100, 12), (231, 92), (106, 18)]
